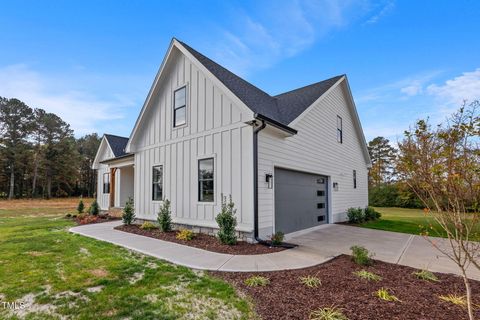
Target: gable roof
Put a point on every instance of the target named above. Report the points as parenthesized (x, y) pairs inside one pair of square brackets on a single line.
[(283, 108), (117, 144)]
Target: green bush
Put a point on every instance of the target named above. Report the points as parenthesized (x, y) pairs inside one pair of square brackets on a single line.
[(227, 222), (185, 234), (355, 215), (361, 256), (426, 275), (310, 281), (277, 238), (94, 208), (165, 217), (80, 207), (147, 225), (393, 195), (128, 214), (371, 214)]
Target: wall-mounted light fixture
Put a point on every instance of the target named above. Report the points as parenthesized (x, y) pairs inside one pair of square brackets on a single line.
[(335, 186), (269, 180)]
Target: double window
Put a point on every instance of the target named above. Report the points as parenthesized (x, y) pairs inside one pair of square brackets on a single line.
[(157, 183), (180, 107), (106, 183), (206, 180), (339, 129)]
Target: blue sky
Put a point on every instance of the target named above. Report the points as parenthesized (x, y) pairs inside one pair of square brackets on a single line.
[(92, 62)]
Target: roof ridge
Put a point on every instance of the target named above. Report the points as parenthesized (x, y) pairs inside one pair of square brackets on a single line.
[(114, 135), (308, 85)]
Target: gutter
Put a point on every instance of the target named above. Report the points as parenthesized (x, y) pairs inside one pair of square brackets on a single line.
[(275, 123)]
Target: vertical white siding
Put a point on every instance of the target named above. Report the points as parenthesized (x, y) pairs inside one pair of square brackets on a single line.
[(214, 129), (315, 149), (103, 199)]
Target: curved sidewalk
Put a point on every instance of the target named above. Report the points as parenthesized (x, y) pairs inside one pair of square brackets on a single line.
[(191, 257)]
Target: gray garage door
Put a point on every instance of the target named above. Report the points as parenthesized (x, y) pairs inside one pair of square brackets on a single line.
[(300, 200)]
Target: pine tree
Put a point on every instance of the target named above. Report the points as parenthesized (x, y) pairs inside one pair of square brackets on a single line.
[(80, 206), (94, 208), (165, 217), (227, 222), (383, 157), (128, 212)]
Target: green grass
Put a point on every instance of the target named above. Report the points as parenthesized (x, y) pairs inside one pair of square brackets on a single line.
[(412, 221), (71, 276)]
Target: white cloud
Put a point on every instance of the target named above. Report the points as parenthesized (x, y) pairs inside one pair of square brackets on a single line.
[(68, 99), (275, 30), (385, 10), (458, 89)]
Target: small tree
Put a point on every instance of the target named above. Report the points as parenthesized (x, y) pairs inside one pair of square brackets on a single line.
[(128, 214), (94, 208), (227, 222), (442, 166), (165, 217), (81, 206)]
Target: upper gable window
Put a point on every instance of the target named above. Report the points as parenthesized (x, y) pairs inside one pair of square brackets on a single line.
[(339, 130), (180, 107)]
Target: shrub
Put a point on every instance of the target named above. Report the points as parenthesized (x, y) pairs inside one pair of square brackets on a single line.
[(94, 208), (80, 207), (361, 256), (227, 222), (165, 217), (277, 238), (370, 276), (185, 235), (88, 219), (455, 299), (147, 225), (128, 214), (426, 275), (384, 294), (371, 214), (68, 215), (256, 281), (355, 215), (310, 281), (330, 313)]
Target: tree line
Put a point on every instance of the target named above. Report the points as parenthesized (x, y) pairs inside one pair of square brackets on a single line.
[(40, 156)]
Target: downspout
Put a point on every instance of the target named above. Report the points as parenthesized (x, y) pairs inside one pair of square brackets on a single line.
[(255, 181)]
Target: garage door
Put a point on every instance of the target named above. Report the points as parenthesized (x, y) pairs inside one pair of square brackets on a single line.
[(300, 200)]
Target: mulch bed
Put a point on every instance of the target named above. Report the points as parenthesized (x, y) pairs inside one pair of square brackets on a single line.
[(286, 298), (202, 241), (90, 219)]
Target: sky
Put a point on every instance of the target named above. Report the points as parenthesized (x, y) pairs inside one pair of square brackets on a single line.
[(93, 62)]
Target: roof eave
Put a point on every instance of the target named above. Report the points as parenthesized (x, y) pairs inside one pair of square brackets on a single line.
[(276, 124)]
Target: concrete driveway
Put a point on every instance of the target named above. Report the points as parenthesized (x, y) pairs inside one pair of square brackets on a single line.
[(404, 249)]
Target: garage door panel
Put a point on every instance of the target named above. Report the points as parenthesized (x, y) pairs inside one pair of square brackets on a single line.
[(300, 200)]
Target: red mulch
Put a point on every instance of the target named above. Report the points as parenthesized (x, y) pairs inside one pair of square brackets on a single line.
[(90, 219), (202, 241), (286, 298)]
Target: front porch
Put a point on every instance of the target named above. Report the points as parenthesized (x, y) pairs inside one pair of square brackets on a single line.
[(121, 183)]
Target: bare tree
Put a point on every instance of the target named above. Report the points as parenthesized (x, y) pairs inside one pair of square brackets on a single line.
[(442, 166)]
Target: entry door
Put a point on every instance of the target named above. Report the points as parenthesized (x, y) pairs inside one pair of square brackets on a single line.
[(300, 200)]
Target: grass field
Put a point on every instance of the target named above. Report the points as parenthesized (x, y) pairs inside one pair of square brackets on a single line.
[(61, 275), (413, 221)]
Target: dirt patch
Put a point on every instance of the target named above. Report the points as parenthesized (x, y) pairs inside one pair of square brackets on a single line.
[(99, 273), (95, 289), (137, 276), (202, 241), (287, 298), (90, 219)]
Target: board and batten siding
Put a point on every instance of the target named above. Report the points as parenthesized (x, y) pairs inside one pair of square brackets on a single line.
[(315, 149), (215, 128), (103, 199)]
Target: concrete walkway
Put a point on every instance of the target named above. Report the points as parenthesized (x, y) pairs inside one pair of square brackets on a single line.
[(315, 247)]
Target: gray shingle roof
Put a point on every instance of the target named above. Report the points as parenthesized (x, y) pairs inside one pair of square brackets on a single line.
[(117, 144), (283, 108)]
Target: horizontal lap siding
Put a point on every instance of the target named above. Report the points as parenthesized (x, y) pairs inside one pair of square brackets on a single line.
[(315, 149), (214, 128)]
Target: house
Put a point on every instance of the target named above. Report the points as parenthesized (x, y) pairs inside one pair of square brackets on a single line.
[(291, 162)]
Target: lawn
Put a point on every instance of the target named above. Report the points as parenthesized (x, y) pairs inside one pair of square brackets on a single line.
[(61, 275), (413, 221)]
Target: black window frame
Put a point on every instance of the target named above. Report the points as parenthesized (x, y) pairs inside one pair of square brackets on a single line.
[(155, 183), (354, 179), (339, 129), (106, 185), (176, 108), (201, 179)]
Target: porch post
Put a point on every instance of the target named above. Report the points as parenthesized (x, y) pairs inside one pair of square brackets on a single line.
[(112, 186)]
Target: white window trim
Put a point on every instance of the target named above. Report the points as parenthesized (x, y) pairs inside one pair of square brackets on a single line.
[(215, 188), (163, 182), (187, 106)]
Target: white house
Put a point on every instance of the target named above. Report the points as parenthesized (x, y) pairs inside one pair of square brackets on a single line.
[(290, 162)]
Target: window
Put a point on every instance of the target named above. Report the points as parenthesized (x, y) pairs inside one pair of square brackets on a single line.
[(180, 107), (354, 179), (339, 130), (157, 183), (106, 183), (205, 180)]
